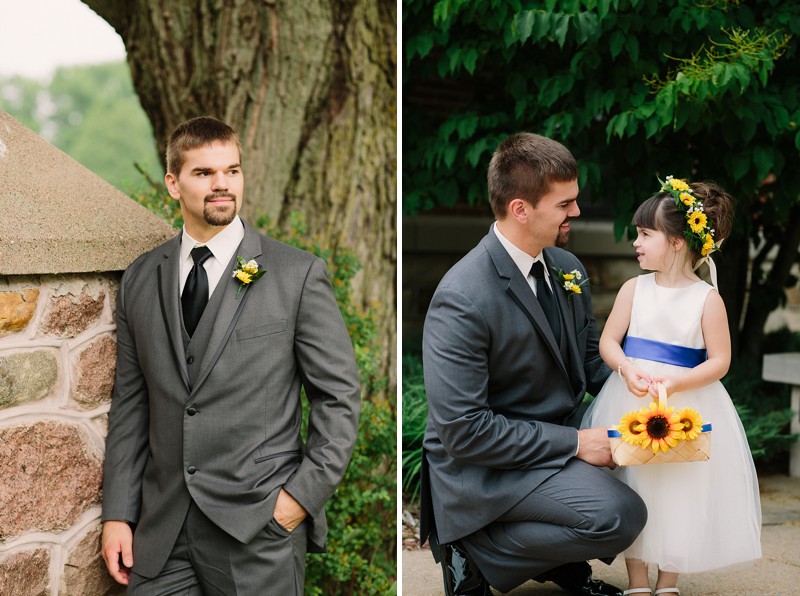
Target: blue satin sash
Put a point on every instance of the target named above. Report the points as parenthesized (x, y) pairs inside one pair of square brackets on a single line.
[(638, 347)]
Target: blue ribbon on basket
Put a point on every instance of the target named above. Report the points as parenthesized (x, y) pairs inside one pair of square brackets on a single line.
[(615, 434)]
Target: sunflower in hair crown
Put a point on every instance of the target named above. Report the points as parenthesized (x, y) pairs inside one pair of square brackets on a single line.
[(698, 233)]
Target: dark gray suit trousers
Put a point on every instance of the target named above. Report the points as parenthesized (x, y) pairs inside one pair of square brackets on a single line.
[(207, 561), (580, 513)]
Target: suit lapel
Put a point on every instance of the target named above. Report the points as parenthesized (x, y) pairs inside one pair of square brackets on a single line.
[(169, 299), (521, 293), (231, 306)]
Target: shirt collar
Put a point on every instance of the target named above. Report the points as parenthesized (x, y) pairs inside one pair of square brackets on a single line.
[(222, 245), (521, 259)]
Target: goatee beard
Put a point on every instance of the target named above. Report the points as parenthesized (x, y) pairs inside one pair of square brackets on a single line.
[(216, 215), (562, 239)]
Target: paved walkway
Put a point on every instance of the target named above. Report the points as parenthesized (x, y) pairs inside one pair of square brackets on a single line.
[(776, 574)]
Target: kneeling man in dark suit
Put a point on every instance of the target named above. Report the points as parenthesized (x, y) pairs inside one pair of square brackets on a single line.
[(516, 491)]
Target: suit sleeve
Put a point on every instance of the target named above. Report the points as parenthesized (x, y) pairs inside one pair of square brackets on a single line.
[(327, 365), (128, 427), (456, 340)]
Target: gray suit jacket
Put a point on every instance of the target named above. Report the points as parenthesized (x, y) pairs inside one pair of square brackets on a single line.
[(499, 390), (218, 421)]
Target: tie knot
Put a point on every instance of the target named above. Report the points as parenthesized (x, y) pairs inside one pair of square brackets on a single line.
[(200, 254), (537, 270)]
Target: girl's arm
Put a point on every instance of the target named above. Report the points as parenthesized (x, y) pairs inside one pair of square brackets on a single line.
[(718, 345), (611, 341)]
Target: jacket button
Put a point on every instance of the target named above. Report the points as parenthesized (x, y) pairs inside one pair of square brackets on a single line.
[(191, 469), (190, 359), (191, 411)]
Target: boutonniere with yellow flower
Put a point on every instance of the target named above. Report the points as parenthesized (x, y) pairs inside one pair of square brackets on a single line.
[(246, 272), (572, 282)]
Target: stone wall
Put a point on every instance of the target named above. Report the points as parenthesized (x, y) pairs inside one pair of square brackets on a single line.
[(57, 357)]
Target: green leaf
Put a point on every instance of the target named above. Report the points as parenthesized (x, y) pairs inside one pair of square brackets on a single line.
[(466, 126), (449, 155), (476, 150), (632, 45), (523, 25), (740, 164), (561, 27), (762, 158), (797, 140), (615, 43), (586, 26), (742, 75)]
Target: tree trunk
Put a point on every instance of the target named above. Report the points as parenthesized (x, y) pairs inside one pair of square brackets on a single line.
[(311, 89)]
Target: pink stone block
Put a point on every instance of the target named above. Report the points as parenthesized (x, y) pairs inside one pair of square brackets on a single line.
[(51, 474)]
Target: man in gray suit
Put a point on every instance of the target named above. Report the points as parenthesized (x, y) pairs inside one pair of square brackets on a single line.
[(208, 487), (517, 492)]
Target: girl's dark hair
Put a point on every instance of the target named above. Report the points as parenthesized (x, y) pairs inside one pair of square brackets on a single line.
[(660, 212)]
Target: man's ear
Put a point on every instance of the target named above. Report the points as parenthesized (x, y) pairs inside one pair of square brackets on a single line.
[(171, 182), (518, 209)]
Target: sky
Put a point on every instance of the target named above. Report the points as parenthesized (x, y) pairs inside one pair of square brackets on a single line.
[(37, 36)]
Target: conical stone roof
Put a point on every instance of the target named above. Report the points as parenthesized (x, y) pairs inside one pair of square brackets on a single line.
[(56, 216)]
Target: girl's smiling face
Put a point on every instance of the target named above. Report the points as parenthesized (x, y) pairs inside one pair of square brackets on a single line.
[(653, 249)]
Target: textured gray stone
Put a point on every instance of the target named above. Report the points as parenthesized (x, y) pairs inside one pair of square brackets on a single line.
[(27, 376)]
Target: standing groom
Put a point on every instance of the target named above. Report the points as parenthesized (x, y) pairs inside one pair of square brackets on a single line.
[(209, 488), (517, 492)]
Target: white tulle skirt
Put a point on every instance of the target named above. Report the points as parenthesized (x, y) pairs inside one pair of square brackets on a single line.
[(701, 515)]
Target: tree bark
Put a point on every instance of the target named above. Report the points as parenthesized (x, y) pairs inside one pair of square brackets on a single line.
[(311, 89)]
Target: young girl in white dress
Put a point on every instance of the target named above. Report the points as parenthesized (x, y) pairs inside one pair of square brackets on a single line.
[(670, 327)]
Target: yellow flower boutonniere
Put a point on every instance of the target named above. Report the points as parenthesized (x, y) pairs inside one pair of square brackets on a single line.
[(246, 272), (572, 282)]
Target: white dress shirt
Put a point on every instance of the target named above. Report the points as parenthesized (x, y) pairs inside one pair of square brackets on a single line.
[(523, 260), (222, 246)]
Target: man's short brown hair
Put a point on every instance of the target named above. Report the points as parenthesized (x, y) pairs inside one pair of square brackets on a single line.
[(523, 166), (197, 132)]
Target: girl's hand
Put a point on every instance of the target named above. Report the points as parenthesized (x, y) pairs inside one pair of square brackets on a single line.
[(638, 381), (669, 386)]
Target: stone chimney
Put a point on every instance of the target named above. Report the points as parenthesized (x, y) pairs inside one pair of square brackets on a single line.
[(65, 237)]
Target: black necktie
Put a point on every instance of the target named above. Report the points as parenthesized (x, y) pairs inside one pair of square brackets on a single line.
[(195, 292), (546, 300)]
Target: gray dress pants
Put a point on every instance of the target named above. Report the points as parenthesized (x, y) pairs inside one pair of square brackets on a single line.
[(207, 561), (581, 512)]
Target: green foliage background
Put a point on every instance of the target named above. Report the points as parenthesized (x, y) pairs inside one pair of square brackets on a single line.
[(92, 114), (701, 89)]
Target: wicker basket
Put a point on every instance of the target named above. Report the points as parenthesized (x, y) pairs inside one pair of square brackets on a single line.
[(625, 454)]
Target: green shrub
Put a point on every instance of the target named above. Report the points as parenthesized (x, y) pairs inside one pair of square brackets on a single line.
[(763, 406), (362, 514), (157, 200), (415, 415)]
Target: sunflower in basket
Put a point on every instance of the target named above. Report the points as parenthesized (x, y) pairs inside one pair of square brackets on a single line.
[(655, 427), (692, 423)]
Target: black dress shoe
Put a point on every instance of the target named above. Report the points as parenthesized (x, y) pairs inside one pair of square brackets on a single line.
[(461, 575), (576, 578)]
